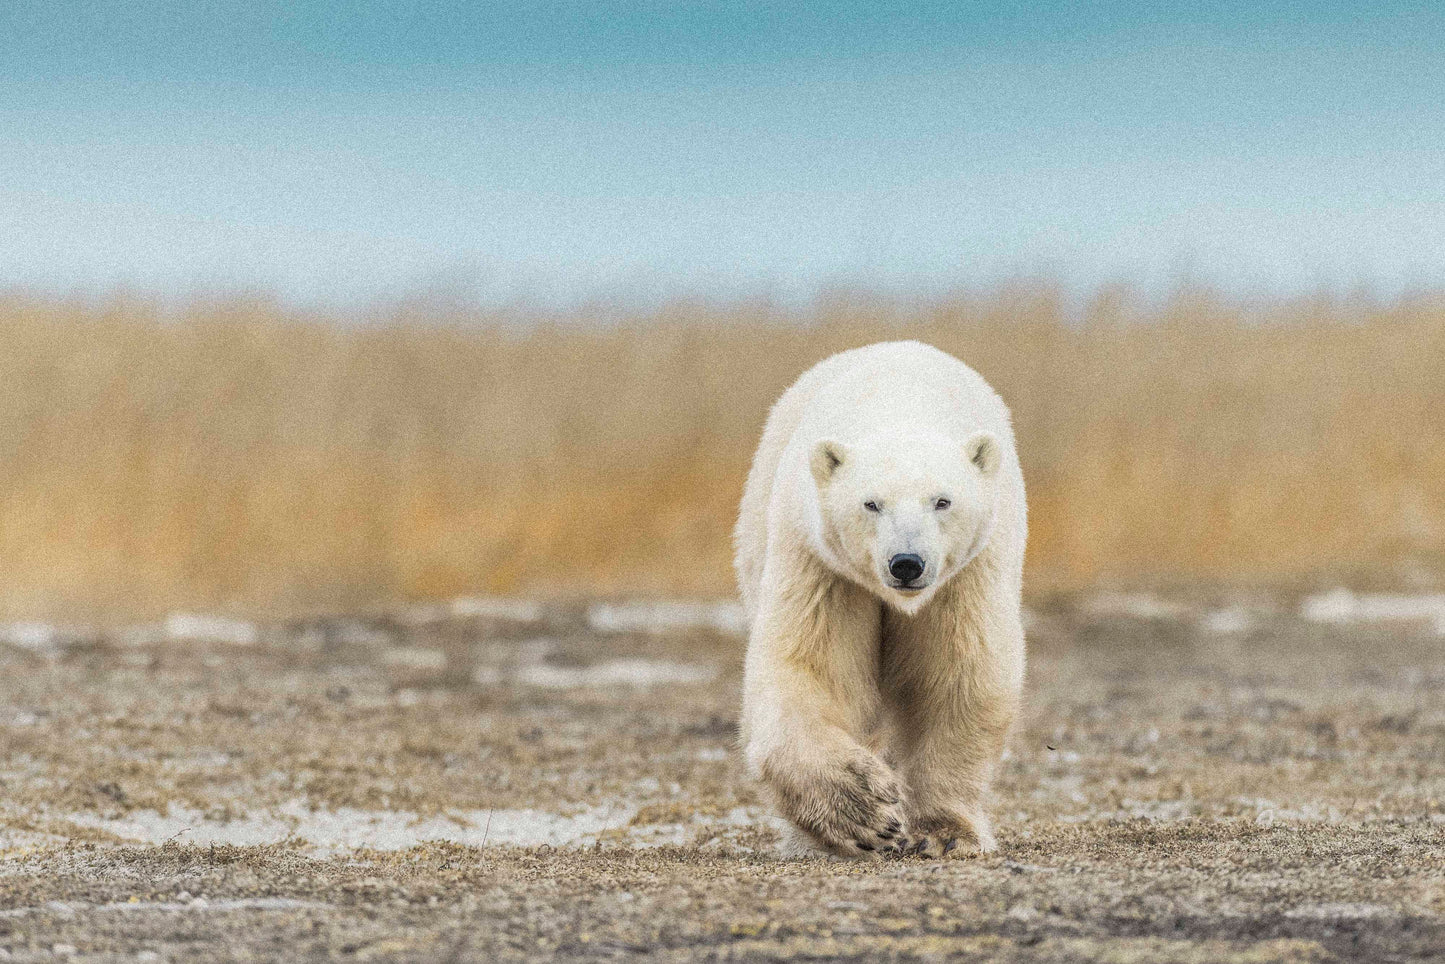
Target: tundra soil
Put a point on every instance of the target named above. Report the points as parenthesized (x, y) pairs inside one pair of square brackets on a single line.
[(1194, 779)]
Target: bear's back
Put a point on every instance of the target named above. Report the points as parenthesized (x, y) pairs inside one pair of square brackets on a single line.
[(903, 386)]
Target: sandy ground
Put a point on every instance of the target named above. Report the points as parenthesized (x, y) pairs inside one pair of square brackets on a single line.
[(1196, 778)]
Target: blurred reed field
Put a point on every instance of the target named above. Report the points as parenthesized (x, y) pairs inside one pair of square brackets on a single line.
[(245, 456)]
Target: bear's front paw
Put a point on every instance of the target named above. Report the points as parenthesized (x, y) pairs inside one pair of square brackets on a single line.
[(949, 835), (853, 808)]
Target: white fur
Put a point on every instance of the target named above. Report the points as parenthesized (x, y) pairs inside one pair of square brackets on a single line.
[(858, 692)]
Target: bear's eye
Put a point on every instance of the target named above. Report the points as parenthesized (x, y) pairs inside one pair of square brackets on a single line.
[(942, 504), (871, 506)]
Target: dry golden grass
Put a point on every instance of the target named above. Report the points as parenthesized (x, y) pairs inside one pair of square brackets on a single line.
[(245, 456)]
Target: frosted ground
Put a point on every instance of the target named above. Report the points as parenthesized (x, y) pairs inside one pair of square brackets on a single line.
[(1198, 777)]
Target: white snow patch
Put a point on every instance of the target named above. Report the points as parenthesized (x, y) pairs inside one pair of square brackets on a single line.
[(202, 628), (1136, 605), (30, 635), (1268, 813), (1228, 622), (465, 607), (497, 607), (189, 905), (1341, 911), (348, 828), (639, 673), (18, 716), (681, 834), (12, 840), (1342, 606), (663, 616), (40, 638)]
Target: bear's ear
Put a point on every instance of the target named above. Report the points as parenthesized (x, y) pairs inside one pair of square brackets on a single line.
[(982, 449), (827, 456)]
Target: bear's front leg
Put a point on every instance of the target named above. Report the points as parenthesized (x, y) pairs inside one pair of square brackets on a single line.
[(955, 705), (810, 693), (841, 796)]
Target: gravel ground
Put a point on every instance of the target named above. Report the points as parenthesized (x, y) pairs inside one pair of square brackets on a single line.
[(1196, 778)]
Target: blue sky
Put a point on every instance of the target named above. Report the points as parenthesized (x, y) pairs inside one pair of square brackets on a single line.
[(337, 153)]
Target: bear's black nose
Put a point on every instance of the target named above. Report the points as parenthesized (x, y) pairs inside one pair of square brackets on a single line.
[(905, 567)]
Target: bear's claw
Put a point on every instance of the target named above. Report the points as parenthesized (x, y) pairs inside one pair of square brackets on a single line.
[(852, 810), (941, 838)]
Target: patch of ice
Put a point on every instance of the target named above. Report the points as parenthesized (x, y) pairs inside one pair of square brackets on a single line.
[(497, 607), (201, 628), (191, 905), (682, 834), (1228, 622), (1136, 605), (472, 607), (18, 716), (664, 616), (41, 638), (11, 840), (640, 673), (331, 831), (1268, 813), (348, 828), (1342, 606), (1340, 911)]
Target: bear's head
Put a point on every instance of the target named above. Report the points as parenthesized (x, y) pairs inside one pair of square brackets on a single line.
[(901, 515)]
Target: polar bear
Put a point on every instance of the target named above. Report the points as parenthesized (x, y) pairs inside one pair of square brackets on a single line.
[(880, 547)]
